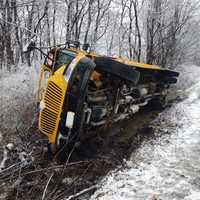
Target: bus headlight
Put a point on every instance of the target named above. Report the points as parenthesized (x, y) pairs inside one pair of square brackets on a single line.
[(42, 106), (70, 120)]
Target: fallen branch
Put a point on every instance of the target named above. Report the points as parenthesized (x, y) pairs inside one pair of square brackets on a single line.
[(43, 170), (54, 167), (62, 173), (5, 158), (10, 167), (71, 184), (82, 192), (45, 189)]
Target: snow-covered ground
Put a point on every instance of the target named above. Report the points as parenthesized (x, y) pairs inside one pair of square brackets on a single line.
[(189, 75), (165, 168), (168, 167), (17, 91)]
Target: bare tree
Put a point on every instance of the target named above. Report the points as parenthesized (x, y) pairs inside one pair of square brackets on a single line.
[(8, 36), (89, 21), (151, 29)]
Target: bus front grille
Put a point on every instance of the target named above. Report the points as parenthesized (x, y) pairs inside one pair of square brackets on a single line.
[(50, 116)]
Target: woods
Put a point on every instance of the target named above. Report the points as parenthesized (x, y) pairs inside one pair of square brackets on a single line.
[(158, 31)]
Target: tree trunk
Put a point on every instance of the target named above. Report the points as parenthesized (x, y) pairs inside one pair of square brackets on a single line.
[(8, 39)]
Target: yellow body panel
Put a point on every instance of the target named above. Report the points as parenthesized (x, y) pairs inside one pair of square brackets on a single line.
[(53, 100), (138, 64), (144, 65), (41, 76), (43, 68)]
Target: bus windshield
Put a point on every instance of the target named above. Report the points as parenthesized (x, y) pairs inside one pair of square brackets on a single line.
[(63, 57)]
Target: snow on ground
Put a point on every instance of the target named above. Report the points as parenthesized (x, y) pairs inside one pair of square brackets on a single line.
[(17, 107), (189, 75), (17, 90), (168, 167)]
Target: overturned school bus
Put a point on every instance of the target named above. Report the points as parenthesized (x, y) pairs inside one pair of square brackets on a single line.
[(86, 91)]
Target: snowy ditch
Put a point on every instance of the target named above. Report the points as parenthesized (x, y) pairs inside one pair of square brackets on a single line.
[(163, 168)]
